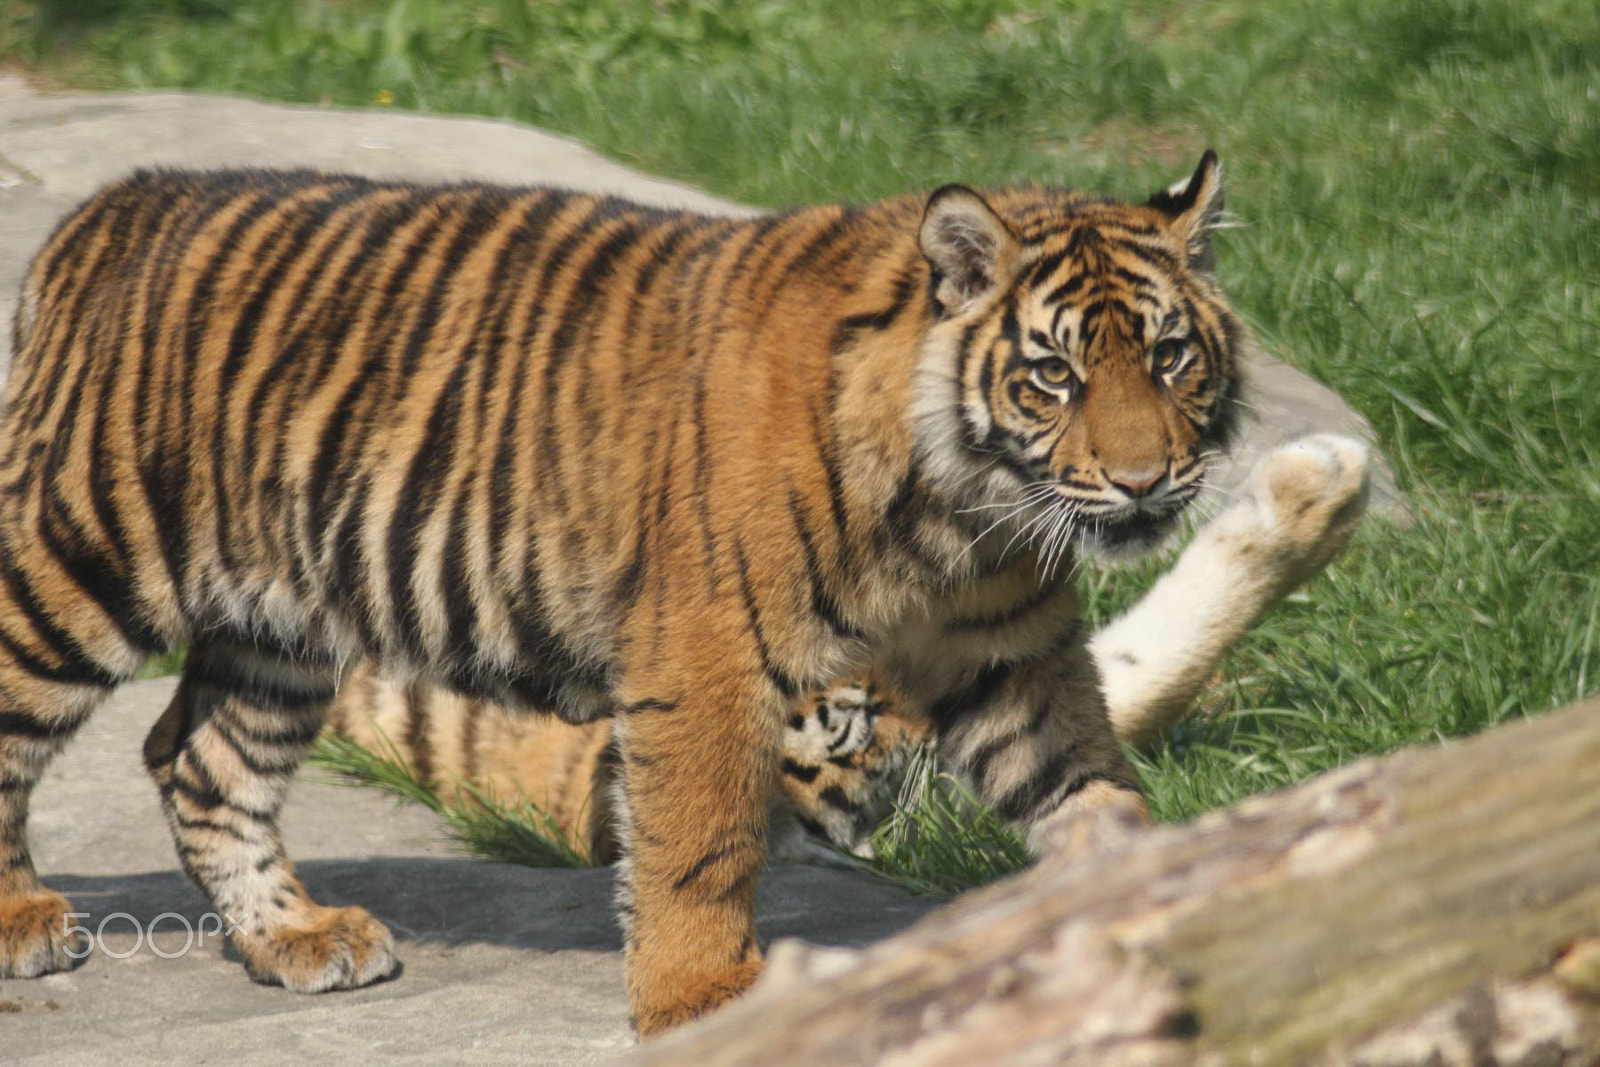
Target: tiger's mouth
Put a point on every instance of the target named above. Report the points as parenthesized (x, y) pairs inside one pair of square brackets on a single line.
[(1137, 527)]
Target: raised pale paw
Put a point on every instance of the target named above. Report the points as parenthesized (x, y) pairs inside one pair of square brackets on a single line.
[(35, 938), (338, 948), (1300, 505)]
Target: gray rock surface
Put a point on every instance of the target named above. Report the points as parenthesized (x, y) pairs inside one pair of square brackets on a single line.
[(502, 963)]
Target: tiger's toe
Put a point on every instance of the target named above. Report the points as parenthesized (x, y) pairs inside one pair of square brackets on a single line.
[(340, 948), (35, 937)]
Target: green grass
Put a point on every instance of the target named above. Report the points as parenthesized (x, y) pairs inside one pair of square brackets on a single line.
[(1419, 183)]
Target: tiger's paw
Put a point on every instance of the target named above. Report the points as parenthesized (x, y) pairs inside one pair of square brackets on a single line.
[(1300, 506), (339, 948), (35, 937), (1101, 819), (689, 999)]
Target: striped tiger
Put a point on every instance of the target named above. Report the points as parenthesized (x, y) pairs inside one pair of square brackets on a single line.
[(567, 452), (846, 750)]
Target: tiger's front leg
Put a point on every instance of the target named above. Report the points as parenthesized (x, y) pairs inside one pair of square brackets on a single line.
[(1033, 737), (699, 743)]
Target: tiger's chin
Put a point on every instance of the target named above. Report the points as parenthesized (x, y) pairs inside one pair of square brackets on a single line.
[(1128, 534)]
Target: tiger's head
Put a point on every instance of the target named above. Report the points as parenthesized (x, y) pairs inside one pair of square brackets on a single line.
[(1081, 368)]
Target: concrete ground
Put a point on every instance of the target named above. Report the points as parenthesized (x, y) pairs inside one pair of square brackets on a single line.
[(502, 963)]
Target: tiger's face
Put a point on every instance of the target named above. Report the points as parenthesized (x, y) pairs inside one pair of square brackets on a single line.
[(1093, 355)]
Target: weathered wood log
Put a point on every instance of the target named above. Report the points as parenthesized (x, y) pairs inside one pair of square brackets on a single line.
[(1436, 906)]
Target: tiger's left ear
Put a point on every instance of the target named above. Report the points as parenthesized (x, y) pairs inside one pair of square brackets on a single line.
[(1194, 207), (969, 247)]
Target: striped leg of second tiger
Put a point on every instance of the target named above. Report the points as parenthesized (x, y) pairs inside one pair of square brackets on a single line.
[(223, 755)]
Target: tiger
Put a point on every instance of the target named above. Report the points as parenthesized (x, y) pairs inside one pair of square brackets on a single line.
[(846, 750), (568, 452)]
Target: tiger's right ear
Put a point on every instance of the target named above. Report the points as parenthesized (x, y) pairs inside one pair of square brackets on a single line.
[(969, 247)]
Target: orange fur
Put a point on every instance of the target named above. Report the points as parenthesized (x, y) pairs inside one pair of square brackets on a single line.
[(570, 453)]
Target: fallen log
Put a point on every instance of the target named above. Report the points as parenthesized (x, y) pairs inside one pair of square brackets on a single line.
[(1436, 906)]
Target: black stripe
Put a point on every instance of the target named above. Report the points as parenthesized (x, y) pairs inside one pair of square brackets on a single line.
[(846, 331), (415, 503), (481, 215), (38, 397), (205, 795), (649, 704), (700, 865), (835, 797), (587, 294), (258, 766), (242, 339), (1046, 266), (296, 731), (327, 484), (950, 708), (801, 771), (1067, 288), (77, 666), (901, 517), (820, 242), (501, 490), (702, 475), (431, 461), (823, 603), (102, 576), (785, 683), (177, 459), (631, 580), (977, 765), (1048, 788), (1156, 257), (1023, 800), (455, 589), (104, 572), (21, 724), (416, 735), (836, 502), (188, 823)]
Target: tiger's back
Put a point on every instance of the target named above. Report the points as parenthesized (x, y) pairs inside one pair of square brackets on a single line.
[(319, 366)]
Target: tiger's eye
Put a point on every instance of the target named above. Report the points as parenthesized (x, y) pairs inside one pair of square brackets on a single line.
[(1053, 372), (1167, 355)]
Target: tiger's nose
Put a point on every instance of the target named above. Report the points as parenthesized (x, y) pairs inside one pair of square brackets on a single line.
[(1136, 484)]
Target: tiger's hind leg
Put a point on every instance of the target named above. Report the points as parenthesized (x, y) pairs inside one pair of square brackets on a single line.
[(60, 656), (223, 755), (37, 719)]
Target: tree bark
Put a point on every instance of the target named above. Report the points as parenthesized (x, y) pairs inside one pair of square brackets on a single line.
[(1436, 906)]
